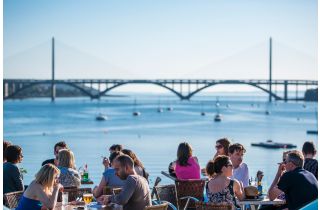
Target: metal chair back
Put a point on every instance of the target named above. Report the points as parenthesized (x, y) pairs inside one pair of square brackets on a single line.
[(12, 199)]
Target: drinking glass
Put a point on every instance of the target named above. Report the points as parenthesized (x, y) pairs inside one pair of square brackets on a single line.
[(87, 198), (65, 197)]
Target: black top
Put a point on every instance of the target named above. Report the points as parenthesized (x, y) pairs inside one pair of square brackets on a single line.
[(12, 178), (300, 187), (48, 161), (312, 166)]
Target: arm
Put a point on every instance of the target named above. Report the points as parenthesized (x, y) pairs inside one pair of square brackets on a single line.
[(98, 191), (238, 190), (77, 179), (126, 193), (274, 191), (49, 201), (17, 177), (245, 180)]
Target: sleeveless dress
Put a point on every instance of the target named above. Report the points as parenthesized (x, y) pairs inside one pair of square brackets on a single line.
[(191, 171), (224, 196), (28, 204)]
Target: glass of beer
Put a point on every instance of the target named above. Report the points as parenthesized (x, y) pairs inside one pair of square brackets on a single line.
[(87, 198)]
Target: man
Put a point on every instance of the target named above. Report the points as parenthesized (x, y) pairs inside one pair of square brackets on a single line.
[(309, 152), (299, 185), (135, 193), (240, 169), (57, 147)]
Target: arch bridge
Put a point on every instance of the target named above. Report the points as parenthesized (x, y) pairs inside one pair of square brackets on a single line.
[(11, 87)]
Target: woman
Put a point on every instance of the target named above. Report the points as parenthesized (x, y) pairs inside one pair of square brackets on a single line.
[(109, 177), (42, 193), (220, 188), (12, 178), (138, 166), (69, 176), (222, 147), (186, 166)]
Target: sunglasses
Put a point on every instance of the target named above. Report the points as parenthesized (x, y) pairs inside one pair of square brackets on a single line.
[(219, 146)]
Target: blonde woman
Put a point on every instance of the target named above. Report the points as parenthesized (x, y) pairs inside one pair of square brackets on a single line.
[(42, 193), (69, 176)]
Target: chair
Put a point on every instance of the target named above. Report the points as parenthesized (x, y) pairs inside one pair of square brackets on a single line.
[(74, 193), (163, 206), (212, 206), (12, 199), (186, 189), (108, 190), (166, 193)]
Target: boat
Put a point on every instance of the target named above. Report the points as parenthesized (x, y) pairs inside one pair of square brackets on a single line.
[(169, 108), (136, 113), (312, 132), (274, 145), (267, 112), (160, 110), (203, 113), (101, 117), (218, 118)]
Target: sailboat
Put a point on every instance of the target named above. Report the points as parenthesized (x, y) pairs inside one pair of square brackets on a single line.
[(218, 116), (135, 112), (100, 116), (202, 112), (314, 132), (160, 110)]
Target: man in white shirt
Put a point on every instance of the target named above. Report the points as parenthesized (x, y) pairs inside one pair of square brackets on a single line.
[(240, 169)]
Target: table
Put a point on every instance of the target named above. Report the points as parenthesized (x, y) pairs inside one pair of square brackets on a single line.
[(73, 207), (265, 201)]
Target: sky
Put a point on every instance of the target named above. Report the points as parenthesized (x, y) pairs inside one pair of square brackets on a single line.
[(149, 39)]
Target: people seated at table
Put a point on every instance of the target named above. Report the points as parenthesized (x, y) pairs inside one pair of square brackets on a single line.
[(221, 188), (69, 176), (138, 166), (299, 185), (109, 177), (12, 177), (135, 193), (240, 169), (310, 163), (222, 147), (42, 193), (58, 146), (6, 144), (186, 166)]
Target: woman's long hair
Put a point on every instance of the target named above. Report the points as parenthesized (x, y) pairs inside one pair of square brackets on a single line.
[(66, 158), (46, 175), (183, 153), (134, 157)]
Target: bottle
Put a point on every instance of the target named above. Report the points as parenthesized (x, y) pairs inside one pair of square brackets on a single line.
[(85, 173), (259, 187)]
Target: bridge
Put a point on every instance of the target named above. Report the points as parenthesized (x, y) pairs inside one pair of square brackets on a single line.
[(11, 87)]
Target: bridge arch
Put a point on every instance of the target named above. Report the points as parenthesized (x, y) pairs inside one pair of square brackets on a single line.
[(142, 82), (233, 83), (49, 82)]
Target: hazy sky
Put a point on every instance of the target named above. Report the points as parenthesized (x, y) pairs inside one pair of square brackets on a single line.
[(160, 39)]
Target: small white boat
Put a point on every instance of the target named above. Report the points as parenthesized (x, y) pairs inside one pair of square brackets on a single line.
[(170, 108), (160, 110), (136, 113), (218, 118), (101, 117), (274, 145)]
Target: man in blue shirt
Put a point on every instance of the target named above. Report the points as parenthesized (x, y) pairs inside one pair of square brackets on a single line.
[(300, 186)]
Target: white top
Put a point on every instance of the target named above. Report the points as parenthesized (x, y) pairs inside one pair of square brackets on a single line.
[(241, 174)]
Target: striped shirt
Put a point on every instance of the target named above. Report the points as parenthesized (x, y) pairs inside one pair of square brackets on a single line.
[(312, 166)]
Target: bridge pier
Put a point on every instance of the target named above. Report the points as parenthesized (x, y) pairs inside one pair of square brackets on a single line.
[(285, 90)]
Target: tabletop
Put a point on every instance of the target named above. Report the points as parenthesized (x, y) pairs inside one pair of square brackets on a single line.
[(256, 202), (59, 206)]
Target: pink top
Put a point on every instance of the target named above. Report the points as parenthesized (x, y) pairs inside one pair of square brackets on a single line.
[(191, 171)]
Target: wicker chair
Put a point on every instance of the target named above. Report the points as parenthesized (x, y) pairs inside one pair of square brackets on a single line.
[(189, 188), (74, 193), (12, 199), (166, 193), (108, 190), (163, 206), (212, 206)]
